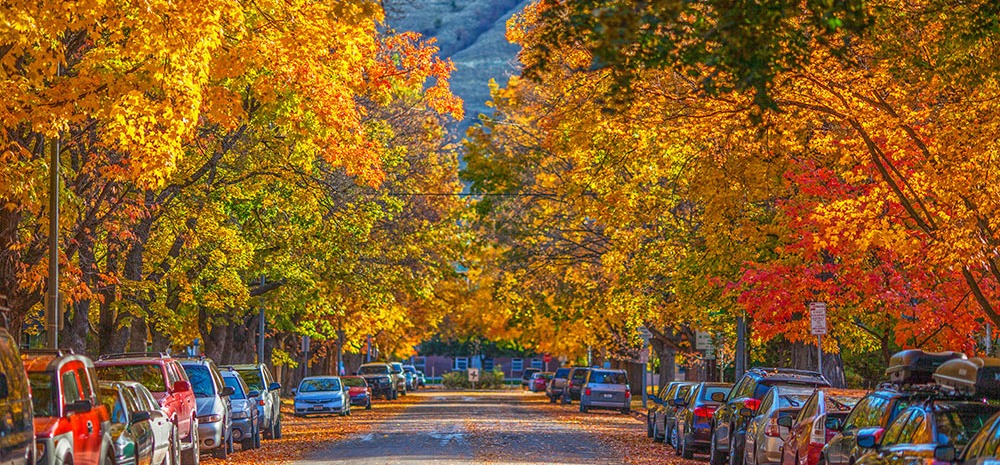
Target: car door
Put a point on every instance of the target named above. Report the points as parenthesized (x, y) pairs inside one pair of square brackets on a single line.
[(755, 425), (842, 449), (723, 416), (141, 431), (81, 423), (911, 442), (797, 442)]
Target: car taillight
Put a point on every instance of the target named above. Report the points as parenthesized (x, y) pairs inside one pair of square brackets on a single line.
[(587, 392), (628, 394), (260, 402), (703, 412), (751, 404), (818, 433), (772, 429)]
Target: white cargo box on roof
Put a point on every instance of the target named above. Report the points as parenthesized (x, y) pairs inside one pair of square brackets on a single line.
[(979, 376), (916, 366)]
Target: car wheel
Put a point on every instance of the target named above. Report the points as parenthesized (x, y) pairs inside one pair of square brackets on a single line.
[(673, 438), (403, 392), (277, 427), (246, 444), (222, 452), (656, 432), (192, 456), (715, 457), (583, 408), (552, 399), (649, 426), (686, 451), (735, 454), (256, 439), (368, 406), (173, 448)]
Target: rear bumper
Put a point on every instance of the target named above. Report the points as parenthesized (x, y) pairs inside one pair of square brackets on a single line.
[(769, 450), (699, 437)]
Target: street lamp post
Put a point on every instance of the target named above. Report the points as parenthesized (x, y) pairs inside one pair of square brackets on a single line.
[(54, 309)]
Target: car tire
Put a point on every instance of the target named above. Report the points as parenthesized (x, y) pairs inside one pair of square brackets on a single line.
[(277, 427), (715, 457), (673, 438), (656, 432), (686, 452), (368, 406), (735, 453), (246, 444), (221, 452), (174, 448), (552, 399), (649, 426), (626, 410), (256, 439), (583, 408), (192, 456)]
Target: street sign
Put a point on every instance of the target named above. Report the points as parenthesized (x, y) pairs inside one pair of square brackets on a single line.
[(817, 318), (473, 375), (546, 358), (702, 340), (644, 355), (644, 333)]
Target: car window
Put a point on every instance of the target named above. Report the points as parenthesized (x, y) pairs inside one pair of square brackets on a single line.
[(859, 416), (41, 393), (607, 377), (765, 405), (353, 382), (792, 400), (562, 372), (252, 378), (201, 380), (708, 391), (985, 444), (809, 409), (173, 373), (70, 388), (86, 391), (957, 427), (234, 383), (267, 375), (320, 384), (916, 430), (894, 408), (744, 389), (580, 375), (682, 392), (148, 375), (113, 403), (373, 370), (895, 429), (10, 363), (216, 376)]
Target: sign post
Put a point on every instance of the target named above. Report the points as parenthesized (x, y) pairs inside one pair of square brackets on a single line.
[(645, 335), (473, 376), (817, 326)]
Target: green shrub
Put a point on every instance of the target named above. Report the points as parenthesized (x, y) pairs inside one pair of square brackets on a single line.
[(460, 380)]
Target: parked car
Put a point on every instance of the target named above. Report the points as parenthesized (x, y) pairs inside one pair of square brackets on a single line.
[(167, 380), (922, 428), (245, 404), (259, 379), (764, 432), (399, 377), (875, 410), (357, 389), (729, 427), (526, 377), (380, 379), (557, 384), (820, 419), (72, 425), (664, 409), (539, 381), (166, 448), (321, 394), (574, 382), (215, 417), (606, 389), (654, 416), (131, 429), (18, 443), (412, 379), (422, 378), (694, 419)]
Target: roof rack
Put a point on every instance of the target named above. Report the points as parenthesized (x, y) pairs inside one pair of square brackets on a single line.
[(134, 355)]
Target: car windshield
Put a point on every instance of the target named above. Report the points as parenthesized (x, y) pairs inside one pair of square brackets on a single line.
[(149, 375), (353, 382), (234, 383), (608, 377), (761, 390), (397, 368), (958, 426), (373, 370), (706, 393), (562, 372), (41, 393), (319, 384), (252, 378), (201, 380)]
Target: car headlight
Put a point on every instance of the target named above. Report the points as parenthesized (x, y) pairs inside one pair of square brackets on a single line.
[(240, 415), (210, 418)]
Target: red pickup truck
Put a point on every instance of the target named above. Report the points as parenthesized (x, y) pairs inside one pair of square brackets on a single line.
[(71, 423), (166, 379)]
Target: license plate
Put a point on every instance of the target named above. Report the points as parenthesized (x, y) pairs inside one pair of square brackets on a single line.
[(608, 396), (318, 407)]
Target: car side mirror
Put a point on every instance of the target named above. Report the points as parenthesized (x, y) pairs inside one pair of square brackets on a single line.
[(273, 386), (254, 394), (945, 453), (868, 437), (80, 406), (679, 403), (227, 391), (785, 421), (718, 397), (139, 416), (294, 391), (182, 386), (746, 412)]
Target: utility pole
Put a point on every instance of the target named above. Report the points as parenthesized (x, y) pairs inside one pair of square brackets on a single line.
[(54, 315), (260, 330), (740, 362)]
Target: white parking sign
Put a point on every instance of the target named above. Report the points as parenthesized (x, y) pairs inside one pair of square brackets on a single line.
[(817, 318), (473, 375)]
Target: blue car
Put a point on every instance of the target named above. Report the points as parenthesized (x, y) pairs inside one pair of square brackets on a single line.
[(321, 394)]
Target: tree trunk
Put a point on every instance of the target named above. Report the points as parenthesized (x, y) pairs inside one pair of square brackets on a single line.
[(804, 357)]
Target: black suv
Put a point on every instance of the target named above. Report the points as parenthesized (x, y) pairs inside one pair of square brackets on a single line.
[(729, 427), (380, 379), (18, 429), (574, 382)]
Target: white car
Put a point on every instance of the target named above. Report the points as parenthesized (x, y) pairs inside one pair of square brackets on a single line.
[(165, 443)]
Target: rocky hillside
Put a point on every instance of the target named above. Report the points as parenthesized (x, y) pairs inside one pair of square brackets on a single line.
[(471, 33)]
